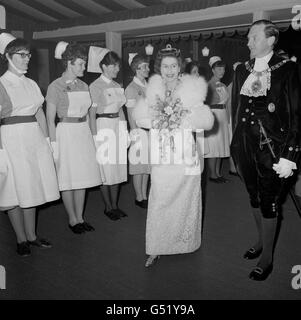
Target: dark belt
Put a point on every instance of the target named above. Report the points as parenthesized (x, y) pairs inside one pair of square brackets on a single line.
[(218, 106), (73, 119), (107, 115), (17, 119)]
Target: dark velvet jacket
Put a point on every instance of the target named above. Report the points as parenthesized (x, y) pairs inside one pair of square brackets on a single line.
[(279, 111)]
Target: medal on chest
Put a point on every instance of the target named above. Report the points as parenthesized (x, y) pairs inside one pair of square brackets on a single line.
[(257, 87)]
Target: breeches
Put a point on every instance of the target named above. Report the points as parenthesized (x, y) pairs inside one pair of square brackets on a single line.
[(255, 167)]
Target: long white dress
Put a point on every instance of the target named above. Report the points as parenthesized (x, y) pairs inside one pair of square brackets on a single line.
[(174, 216), (31, 177)]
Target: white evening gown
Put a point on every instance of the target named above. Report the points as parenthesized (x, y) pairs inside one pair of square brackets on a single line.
[(174, 216)]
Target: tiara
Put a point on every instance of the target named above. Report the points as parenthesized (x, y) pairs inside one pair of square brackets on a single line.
[(170, 50)]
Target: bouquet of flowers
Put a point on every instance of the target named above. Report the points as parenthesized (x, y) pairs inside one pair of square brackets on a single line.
[(167, 117)]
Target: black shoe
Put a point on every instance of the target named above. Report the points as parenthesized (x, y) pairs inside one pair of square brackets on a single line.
[(259, 274), (145, 203), (23, 249), (252, 253), (233, 173), (141, 204), (77, 228), (87, 227), (41, 243), (223, 180), (218, 180), (112, 214), (120, 213)]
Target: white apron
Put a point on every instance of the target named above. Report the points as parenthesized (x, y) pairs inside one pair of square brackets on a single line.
[(31, 178), (76, 166), (112, 140)]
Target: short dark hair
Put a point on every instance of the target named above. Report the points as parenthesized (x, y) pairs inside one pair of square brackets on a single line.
[(270, 30), (190, 65), (110, 58), (167, 52), (73, 51), (15, 46), (137, 60)]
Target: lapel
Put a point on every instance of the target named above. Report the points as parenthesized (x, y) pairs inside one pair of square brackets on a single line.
[(274, 60)]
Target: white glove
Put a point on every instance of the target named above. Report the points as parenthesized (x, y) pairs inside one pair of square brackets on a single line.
[(3, 162), (55, 150), (284, 168)]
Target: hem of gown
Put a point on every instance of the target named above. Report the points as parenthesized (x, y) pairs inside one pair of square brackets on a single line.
[(216, 156), (110, 183), (38, 203), (81, 185), (160, 253), (134, 173)]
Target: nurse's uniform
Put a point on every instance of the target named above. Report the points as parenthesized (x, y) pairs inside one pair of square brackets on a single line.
[(108, 97), (76, 166), (134, 92), (31, 177), (218, 137)]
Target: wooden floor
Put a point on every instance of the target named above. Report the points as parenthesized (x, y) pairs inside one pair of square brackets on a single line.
[(109, 263)]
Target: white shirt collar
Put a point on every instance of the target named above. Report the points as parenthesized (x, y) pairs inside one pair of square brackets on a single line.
[(105, 79), (13, 77), (262, 63), (139, 82)]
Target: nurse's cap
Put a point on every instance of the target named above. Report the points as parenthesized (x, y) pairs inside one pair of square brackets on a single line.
[(95, 56), (131, 57), (213, 60), (60, 49), (5, 39)]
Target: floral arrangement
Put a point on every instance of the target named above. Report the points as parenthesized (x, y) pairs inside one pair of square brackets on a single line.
[(168, 115)]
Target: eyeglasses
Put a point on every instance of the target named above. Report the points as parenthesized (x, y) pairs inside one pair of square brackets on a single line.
[(23, 55)]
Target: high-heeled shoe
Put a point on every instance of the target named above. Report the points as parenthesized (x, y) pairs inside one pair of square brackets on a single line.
[(151, 260), (252, 253), (260, 274)]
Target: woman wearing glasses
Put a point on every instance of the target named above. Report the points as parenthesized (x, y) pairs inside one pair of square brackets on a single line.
[(27, 173)]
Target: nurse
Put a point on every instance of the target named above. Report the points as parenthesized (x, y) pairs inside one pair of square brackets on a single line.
[(108, 126), (27, 172), (68, 97), (135, 91)]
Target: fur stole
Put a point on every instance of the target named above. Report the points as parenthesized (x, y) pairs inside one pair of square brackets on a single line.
[(192, 90)]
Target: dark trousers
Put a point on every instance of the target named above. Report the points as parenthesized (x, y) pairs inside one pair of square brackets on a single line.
[(254, 165)]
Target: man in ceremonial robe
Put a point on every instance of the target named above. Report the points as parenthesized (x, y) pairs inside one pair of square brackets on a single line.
[(266, 134)]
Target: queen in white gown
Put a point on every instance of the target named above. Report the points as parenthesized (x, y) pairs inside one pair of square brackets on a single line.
[(175, 202)]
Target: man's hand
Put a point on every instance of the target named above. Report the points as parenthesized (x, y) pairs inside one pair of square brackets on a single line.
[(284, 168)]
